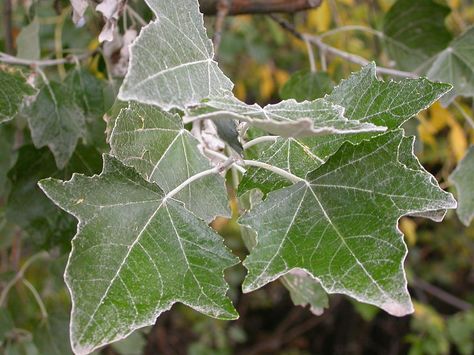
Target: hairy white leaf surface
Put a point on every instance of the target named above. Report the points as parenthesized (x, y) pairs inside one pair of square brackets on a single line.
[(171, 61), (288, 118)]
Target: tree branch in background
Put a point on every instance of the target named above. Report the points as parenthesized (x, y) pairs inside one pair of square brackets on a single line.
[(222, 12), (238, 7), (326, 48), (7, 23)]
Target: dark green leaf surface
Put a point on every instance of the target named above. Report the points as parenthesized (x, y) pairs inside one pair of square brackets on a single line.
[(455, 65), (27, 205), (463, 178), (340, 225), (136, 253), (56, 121), (156, 144), (305, 85), (13, 89), (415, 31)]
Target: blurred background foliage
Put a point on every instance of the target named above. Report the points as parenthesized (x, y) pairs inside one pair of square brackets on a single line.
[(267, 64)]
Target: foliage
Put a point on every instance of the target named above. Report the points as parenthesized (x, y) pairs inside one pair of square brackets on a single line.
[(315, 185)]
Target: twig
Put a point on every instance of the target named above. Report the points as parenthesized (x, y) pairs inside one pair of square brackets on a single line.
[(316, 40), (8, 59), (442, 295), (36, 295), (258, 140), (217, 170), (239, 7), (19, 275), (222, 12), (312, 62), (352, 28), (223, 157), (293, 178), (464, 113), (8, 28), (135, 15), (58, 40)]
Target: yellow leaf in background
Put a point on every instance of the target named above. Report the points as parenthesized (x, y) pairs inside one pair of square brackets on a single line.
[(429, 127), (385, 4), (454, 4), (457, 140), (439, 117), (281, 77), (267, 85), (408, 227), (346, 2), (240, 90), (319, 19), (428, 315)]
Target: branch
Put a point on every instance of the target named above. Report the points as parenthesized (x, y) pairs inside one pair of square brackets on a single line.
[(239, 7), (217, 170), (8, 59), (326, 48), (442, 295), (8, 30), (19, 275)]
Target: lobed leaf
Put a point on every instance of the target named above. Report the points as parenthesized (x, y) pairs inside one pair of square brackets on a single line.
[(455, 65), (463, 177), (313, 226), (365, 99), (135, 254), (13, 89), (171, 62), (56, 121), (156, 144)]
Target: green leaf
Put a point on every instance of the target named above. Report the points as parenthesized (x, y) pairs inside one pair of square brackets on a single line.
[(7, 156), (156, 144), (306, 85), (461, 331), (136, 253), (52, 336), (28, 41), (385, 103), (462, 177), (90, 95), (340, 225), (415, 31), (88, 92), (304, 290), (171, 61), (455, 65), (13, 89), (29, 208), (365, 99), (288, 118), (56, 121)]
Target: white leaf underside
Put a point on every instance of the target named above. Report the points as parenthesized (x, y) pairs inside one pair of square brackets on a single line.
[(287, 118), (171, 62)]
